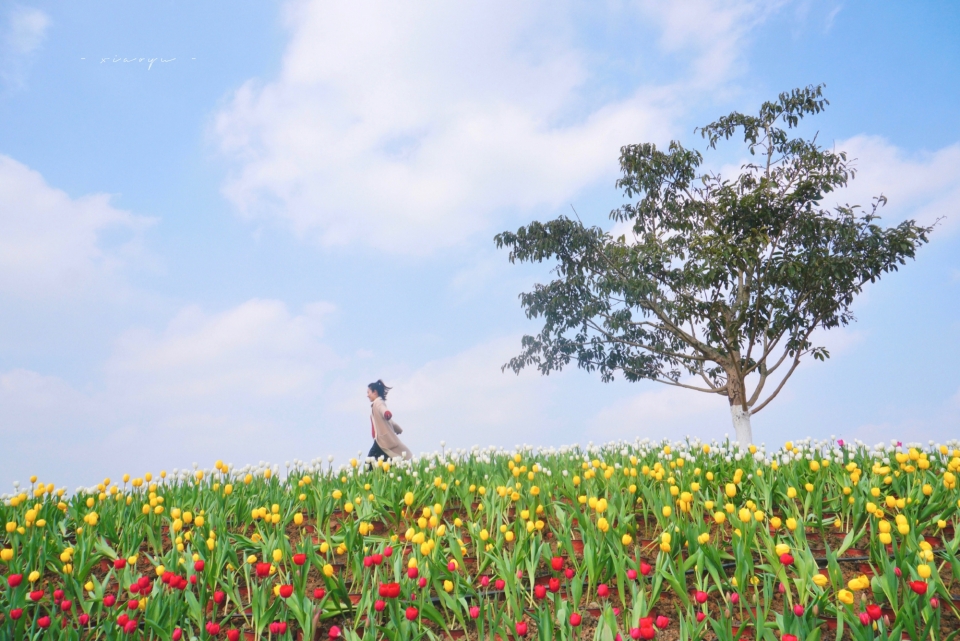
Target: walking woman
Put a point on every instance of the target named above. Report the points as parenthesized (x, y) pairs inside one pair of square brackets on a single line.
[(382, 426)]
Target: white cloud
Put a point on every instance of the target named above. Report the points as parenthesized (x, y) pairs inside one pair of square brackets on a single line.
[(923, 186), (467, 400), (663, 412), (51, 244), (712, 31), (246, 382), (24, 31), (255, 351), (411, 126)]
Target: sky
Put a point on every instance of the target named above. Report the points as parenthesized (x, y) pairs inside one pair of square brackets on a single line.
[(219, 221)]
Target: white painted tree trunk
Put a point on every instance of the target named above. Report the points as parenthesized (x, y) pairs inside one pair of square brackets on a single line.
[(741, 423)]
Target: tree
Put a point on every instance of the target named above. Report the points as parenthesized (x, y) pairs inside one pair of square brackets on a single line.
[(720, 282)]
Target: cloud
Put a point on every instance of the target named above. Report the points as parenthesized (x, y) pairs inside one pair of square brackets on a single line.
[(466, 400), (411, 126), (245, 382), (662, 412), (24, 33), (26, 29), (52, 245), (257, 350), (711, 32), (924, 186)]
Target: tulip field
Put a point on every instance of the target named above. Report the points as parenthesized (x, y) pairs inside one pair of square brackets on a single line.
[(685, 540)]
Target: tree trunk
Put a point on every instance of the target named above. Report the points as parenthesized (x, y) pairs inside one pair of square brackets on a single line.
[(741, 423), (740, 415)]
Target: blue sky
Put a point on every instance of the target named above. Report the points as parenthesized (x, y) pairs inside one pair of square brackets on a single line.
[(210, 256)]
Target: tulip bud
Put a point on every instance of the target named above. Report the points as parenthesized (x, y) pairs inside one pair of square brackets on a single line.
[(575, 620)]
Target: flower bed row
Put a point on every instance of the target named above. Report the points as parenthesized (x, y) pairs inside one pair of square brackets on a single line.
[(683, 540)]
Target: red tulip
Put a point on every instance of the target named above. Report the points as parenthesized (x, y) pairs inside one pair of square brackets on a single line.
[(635, 633), (198, 566), (484, 580), (84, 619), (423, 582), (499, 584), (219, 597), (275, 627), (554, 584), (569, 573), (133, 604), (920, 587), (122, 620), (603, 590), (36, 595), (645, 568), (539, 592), (177, 634), (166, 577), (632, 575), (662, 622), (388, 551), (283, 627), (109, 600), (334, 632), (57, 595), (788, 637), (701, 616), (412, 613), (16, 613), (934, 603), (263, 570), (368, 561), (521, 628), (413, 573), (14, 580), (66, 604), (864, 618), (131, 626), (647, 632), (44, 622), (786, 558), (119, 564), (556, 563), (897, 572), (734, 598), (213, 628), (319, 593), (474, 611), (233, 635), (575, 620), (452, 566), (377, 559), (874, 611), (379, 605), (700, 596), (798, 610), (286, 591)]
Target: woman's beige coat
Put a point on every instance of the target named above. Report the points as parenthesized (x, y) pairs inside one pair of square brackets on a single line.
[(386, 431)]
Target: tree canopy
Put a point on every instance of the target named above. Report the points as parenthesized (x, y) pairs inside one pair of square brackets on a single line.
[(718, 282)]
